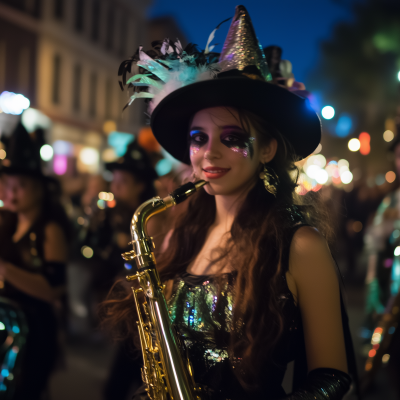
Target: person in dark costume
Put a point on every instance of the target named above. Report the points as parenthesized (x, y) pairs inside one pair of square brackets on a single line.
[(33, 251), (108, 235), (250, 280)]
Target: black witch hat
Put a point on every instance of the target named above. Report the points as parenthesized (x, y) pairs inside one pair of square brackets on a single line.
[(23, 155), (135, 161), (181, 82)]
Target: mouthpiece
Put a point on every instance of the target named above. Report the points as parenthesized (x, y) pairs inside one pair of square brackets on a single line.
[(185, 191)]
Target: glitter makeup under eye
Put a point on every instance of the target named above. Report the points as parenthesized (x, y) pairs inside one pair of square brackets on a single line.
[(243, 145)]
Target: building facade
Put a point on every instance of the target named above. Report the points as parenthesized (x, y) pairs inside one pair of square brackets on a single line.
[(63, 55)]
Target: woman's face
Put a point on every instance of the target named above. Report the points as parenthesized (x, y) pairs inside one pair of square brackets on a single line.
[(224, 154), (126, 188), (22, 193)]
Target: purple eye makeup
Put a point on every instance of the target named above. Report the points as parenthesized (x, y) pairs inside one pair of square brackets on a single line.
[(232, 137)]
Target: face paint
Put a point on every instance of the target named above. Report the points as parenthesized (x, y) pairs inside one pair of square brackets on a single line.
[(197, 140), (239, 143)]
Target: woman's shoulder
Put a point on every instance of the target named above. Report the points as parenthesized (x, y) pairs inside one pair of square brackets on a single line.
[(310, 253)]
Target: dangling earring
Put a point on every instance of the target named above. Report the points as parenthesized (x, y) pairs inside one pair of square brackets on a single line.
[(270, 178)]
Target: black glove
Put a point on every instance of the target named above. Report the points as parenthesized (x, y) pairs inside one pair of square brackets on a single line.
[(323, 384)]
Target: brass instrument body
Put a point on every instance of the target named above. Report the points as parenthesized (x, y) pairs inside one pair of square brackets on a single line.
[(166, 374)]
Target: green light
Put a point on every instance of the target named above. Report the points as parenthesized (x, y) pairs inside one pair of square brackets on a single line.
[(2, 326), (398, 76)]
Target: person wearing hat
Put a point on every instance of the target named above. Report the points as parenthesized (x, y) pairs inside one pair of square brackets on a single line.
[(34, 233), (251, 283), (107, 234)]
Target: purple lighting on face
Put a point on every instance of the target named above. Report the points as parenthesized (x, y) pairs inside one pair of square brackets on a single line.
[(60, 164)]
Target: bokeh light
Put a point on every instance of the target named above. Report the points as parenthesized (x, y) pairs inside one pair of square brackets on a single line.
[(346, 177), (328, 112), (46, 152), (344, 125), (60, 164), (87, 252), (398, 75), (89, 156), (321, 176), (3, 154), (12, 103), (388, 136), (354, 144), (365, 140), (390, 176)]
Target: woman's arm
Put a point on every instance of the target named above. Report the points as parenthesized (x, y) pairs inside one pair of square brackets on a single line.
[(33, 284), (318, 295)]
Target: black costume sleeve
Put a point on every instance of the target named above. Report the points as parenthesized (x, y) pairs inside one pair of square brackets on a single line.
[(323, 384), (55, 273)]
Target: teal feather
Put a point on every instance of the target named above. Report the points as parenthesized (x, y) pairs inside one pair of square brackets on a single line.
[(141, 95), (136, 77), (155, 68)]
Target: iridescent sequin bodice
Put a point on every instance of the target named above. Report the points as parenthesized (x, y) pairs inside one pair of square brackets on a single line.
[(205, 323)]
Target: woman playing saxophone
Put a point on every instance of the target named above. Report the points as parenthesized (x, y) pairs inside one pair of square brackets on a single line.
[(250, 280)]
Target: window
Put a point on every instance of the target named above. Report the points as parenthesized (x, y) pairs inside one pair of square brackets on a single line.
[(76, 87), (92, 94), (95, 20), (110, 28), (56, 79), (59, 9), (108, 98), (79, 10)]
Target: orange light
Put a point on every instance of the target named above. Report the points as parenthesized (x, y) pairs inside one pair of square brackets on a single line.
[(365, 140), (390, 176), (378, 330), (372, 353), (111, 204)]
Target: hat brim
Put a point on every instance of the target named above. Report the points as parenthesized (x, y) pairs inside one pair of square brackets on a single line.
[(292, 115)]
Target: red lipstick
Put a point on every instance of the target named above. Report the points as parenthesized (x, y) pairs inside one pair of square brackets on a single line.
[(215, 172)]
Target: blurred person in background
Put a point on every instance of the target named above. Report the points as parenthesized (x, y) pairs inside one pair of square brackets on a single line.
[(34, 232), (383, 281), (106, 235)]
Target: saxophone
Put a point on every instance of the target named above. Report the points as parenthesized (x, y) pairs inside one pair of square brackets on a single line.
[(166, 371)]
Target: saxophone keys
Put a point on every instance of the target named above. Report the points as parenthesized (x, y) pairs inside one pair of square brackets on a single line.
[(129, 255)]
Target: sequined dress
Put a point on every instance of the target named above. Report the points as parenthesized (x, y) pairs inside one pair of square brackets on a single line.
[(205, 329)]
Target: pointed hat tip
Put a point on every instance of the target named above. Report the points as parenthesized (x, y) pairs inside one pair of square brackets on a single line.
[(241, 47)]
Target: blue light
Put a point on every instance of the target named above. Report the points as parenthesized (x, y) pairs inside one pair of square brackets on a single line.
[(128, 266), (163, 167), (15, 329), (5, 372), (344, 125), (3, 387), (63, 148), (391, 330), (119, 141), (328, 112)]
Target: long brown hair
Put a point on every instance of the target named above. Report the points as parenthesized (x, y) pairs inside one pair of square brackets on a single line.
[(260, 233)]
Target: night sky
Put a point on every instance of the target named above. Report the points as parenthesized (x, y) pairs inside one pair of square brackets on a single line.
[(296, 25)]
